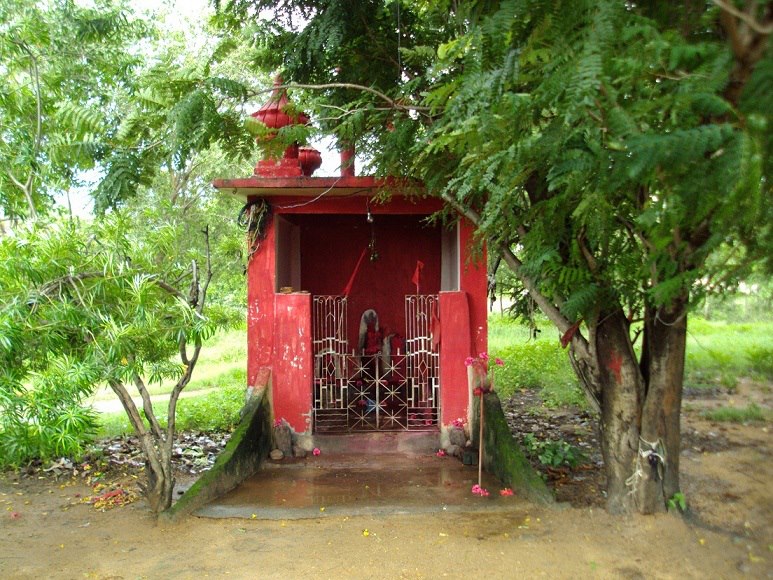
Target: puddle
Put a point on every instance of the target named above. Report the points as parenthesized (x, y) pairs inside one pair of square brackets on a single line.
[(355, 485)]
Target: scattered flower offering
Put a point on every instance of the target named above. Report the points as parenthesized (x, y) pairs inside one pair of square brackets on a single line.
[(440, 453), (506, 492), (316, 451), (478, 490)]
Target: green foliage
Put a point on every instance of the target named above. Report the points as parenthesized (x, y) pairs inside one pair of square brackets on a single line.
[(176, 117), (678, 501), (553, 453), (761, 361), (59, 65), (81, 305), (751, 413), (532, 364), (214, 411)]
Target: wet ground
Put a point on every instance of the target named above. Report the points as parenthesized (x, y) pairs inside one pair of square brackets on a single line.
[(370, 474)]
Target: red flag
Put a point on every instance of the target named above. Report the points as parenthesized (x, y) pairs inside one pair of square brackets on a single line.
[(417, 275), (350, 283)]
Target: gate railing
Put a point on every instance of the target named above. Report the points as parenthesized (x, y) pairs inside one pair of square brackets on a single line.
[(380, 392)]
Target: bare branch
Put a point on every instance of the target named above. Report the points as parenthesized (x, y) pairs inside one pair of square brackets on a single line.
[(392, 103), (208, 278), (169, 288), (147, 406), (190, 362), (35, 74), (128, 404), (550, 310), (748, 19)]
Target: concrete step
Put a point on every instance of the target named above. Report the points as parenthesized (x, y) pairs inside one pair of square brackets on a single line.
[(399, 442)]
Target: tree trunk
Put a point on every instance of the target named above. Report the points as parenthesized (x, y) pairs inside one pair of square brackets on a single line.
[(160, 477), (158, 466), (665, 336), (622, 390)]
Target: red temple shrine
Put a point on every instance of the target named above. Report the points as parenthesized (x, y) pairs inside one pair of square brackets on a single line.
[(360, 313)]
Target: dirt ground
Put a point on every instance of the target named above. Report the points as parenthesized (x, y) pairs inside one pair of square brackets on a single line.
[(49, 529)]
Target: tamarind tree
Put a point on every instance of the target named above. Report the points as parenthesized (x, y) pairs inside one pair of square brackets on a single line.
[(616, 155)]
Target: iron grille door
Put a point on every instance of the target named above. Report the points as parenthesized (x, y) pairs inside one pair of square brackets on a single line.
[(386, 391)]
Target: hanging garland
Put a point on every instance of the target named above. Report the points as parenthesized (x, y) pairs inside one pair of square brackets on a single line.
[(254, 218)]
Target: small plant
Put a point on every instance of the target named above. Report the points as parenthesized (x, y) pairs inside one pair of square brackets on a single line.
[(761, 361), (553, 453), (677, 502)]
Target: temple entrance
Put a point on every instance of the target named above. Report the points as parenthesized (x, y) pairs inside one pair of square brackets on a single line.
[(390, 382)]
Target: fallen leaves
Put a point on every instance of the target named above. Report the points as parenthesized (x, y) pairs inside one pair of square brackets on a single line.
[(110, 499)]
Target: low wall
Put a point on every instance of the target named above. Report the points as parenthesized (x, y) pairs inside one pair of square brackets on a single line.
[(241, 458), (503, 456)]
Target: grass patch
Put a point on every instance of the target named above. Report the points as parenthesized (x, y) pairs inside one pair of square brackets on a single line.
[(532, 363), (748, 414), (224, 353), (719, 353), (213, 411)]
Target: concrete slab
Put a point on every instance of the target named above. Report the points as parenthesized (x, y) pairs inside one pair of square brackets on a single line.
[(361, 475)]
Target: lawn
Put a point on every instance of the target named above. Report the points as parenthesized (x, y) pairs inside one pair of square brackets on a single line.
[(212, 399), (718, 354)]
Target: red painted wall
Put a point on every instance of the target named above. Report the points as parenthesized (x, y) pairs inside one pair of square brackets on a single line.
[(279, 326), (454, 348), (331, 246), (260, 308), (473, 280), (293, 360)]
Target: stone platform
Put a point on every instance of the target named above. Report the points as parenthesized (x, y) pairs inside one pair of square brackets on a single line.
[(360, 474)]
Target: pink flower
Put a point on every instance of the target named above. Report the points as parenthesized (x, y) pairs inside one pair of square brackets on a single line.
[(460, 422), (440, 453), (483, 356), (316, 451), (279, 422), (506, 492), (478, 490), (498, 361), (468, 362)]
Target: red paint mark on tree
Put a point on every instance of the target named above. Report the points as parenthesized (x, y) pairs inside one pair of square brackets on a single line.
[(615, 364)]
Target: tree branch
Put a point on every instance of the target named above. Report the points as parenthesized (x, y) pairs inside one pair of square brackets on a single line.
[(147, 406), (128, 404), (190, 362), (748, 19), (35, 74), (392, 103), (550, 310)]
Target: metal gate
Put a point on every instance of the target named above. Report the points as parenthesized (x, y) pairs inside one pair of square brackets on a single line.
[(387, 391)]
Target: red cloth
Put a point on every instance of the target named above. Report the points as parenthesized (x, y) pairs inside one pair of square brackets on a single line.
[(348, 288), (417, 275)]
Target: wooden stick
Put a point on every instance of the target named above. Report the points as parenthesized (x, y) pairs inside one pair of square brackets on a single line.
[(480, 443)]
